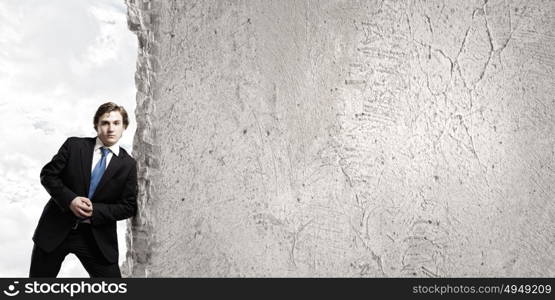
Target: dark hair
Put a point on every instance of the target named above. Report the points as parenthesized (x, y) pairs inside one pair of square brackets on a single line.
[(109, 107)]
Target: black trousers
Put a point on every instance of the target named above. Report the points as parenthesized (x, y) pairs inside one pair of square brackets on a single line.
[(80, 242)]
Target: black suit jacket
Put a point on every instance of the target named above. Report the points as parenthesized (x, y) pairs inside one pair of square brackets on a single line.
[(67, 176)]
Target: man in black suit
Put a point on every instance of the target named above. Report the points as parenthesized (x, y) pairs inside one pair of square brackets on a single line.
[(93, 184)]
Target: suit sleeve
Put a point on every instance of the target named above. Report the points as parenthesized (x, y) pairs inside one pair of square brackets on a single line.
[(50, 178), (125, 207)]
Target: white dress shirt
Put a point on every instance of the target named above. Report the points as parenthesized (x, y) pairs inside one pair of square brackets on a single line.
[(97, 154)]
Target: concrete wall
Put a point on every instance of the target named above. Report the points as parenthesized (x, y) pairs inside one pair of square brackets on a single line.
[(344, 138)]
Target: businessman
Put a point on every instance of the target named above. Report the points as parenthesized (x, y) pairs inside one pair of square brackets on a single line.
[(92, 183)]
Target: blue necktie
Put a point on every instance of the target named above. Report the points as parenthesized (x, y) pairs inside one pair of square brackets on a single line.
[(98, 171)]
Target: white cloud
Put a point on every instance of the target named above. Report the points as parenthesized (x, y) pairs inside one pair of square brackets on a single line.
[(59, 60)]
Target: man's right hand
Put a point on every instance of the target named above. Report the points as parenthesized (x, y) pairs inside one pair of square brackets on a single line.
[(81, 207)]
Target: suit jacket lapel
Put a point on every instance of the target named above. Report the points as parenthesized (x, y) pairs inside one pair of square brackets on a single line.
[(86, 162), (113, 166)]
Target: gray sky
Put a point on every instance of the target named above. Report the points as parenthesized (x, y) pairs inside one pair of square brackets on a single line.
[(59, 60)]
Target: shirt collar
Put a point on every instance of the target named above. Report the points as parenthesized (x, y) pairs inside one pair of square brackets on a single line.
[(114, 148)]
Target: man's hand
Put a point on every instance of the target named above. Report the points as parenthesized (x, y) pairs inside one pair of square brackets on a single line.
[(81, 207)]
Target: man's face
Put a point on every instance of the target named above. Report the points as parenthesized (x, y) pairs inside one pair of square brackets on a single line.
[(110, 127)]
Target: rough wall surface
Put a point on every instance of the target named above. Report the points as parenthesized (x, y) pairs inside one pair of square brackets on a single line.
[(344, 138)]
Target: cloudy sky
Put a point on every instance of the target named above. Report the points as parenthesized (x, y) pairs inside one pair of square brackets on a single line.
[(59, 60)]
